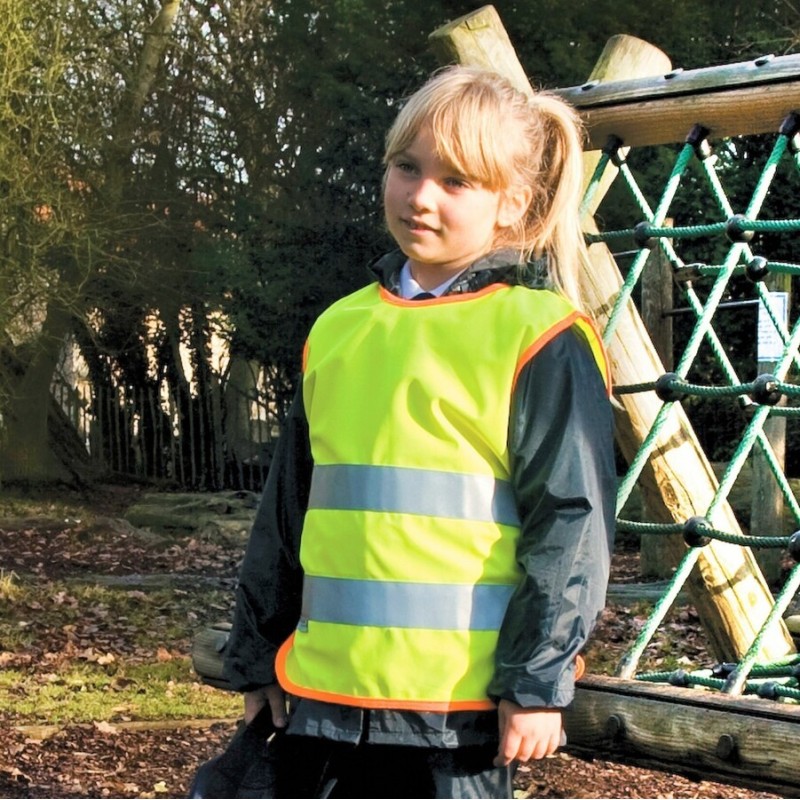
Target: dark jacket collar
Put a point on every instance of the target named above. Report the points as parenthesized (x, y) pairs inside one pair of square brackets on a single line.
[(500, 266)]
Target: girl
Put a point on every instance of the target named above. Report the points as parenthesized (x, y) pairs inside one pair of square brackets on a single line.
[(432, 546)]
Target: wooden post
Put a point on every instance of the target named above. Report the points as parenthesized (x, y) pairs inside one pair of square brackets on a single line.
[(657, 285), (657, 302), (767, 509), (728, 590)]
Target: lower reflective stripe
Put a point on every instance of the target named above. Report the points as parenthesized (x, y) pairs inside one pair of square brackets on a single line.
[(413, 491), (405, 605)]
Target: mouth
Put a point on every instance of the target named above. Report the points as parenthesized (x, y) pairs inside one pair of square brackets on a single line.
[(417, 226)]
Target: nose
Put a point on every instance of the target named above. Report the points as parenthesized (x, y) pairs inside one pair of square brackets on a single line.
[(422, 195)]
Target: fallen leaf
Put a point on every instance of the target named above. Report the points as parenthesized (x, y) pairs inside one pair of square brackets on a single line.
[(105, 727)]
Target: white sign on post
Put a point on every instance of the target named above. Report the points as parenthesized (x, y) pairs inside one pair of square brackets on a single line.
[(770, 344)]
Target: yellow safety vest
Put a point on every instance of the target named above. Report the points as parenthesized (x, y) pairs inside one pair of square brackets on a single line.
[(408, 545)]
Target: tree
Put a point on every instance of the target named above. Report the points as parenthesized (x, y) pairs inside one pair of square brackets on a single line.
[(168, 176), (69, 106)]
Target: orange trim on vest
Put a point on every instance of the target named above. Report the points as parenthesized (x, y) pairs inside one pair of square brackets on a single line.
[(370, 702), (551, 334), (544, 339), (388, 297), (305, 356)]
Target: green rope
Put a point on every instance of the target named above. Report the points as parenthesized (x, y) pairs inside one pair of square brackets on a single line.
[(737, 253), (736, 680), (700, 231), (765, 446), (594, 183), (704, 390), (766, 688), (641, 456), (711, 270), (785, 411), (672, 528), (754, 427), (767, 174), (630, 660), (783, 267), (638, 264)]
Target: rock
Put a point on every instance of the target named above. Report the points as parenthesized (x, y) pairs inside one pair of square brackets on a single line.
[(208, 514)]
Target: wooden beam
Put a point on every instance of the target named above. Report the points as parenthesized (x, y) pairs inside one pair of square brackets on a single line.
[(767, 71), (730, 100), (736, 113), (660, 105), (747, 739), (730, 594)]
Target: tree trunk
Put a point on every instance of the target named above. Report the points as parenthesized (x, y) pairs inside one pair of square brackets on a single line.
[(25, 452)]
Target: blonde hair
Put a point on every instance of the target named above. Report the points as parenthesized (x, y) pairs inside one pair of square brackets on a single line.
[(491, 132)]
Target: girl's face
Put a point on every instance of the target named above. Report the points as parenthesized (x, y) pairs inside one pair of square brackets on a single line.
[(441, 220)]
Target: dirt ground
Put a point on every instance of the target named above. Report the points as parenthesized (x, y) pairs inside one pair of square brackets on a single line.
[(141, 760)]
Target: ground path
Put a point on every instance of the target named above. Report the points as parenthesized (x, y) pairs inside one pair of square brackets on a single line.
[(78, 540)]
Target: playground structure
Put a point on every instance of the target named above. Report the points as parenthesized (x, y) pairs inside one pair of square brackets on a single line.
[(739, 718)]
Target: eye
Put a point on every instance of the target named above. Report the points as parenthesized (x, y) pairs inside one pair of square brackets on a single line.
[(456, 182), (404, 166)]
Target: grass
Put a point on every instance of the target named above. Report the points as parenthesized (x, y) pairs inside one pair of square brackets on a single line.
[(9, 588), (31, 613), (88, 692), (91, 692), (79, 653), (29, 503), (73, 652)]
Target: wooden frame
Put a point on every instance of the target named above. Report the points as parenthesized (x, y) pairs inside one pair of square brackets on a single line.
[(751, 741), (633, 94)]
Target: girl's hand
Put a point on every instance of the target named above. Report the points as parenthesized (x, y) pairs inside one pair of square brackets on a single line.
[(526, 733), (256, 700)]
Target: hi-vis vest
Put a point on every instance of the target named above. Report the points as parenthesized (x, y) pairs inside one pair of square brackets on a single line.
[(408, 545)]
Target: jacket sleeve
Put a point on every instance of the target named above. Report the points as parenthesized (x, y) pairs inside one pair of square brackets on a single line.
[(562, 469), (269, 589)]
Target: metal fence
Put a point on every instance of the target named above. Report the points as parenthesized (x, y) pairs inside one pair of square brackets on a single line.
[(211, 441)]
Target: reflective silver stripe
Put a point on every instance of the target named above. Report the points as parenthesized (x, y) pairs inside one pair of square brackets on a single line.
[(431, 493), (387, 604)]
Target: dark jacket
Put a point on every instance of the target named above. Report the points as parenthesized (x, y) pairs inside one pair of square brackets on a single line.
[(562, 468)]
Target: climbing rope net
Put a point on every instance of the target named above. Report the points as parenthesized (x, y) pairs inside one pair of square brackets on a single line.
[(760, 397)]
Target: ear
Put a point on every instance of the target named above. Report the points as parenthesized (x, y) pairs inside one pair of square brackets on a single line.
[(513, 205)]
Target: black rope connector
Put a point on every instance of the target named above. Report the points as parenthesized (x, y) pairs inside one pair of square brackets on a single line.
[(680, 678), (794, 546), (667, 390), (612, 149), (723, 669), (642, 237), (790, 128), (756, 269), (691, 532), (768, 690), (697, 138), (765, 390), (790, 124), (734, 230)]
